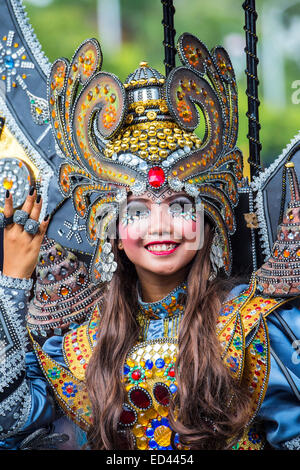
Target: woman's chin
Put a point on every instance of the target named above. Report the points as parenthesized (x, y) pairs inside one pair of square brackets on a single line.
[(162, 268), (162, 264)]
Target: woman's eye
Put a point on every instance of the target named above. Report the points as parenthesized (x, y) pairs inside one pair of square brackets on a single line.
[(184, 208), (181, 205), (134, 212), (176, 207)]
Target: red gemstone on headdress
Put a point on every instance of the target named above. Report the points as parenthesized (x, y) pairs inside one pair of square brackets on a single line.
[(156, 176)]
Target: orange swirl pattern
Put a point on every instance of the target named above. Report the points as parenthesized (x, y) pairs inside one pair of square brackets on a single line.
[(102, 96), (218, 68), (67, 170), (184, 89), (219, 196)]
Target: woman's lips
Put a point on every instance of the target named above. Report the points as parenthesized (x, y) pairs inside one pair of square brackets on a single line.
[(161, 248)]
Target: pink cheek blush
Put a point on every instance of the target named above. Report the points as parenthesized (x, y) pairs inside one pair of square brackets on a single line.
[(131, 238), (185, 229), (133, 245)]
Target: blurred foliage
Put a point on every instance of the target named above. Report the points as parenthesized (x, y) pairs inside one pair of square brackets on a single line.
[(63, 24)]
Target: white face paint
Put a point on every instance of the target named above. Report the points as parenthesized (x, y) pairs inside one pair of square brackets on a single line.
[(161, 235)]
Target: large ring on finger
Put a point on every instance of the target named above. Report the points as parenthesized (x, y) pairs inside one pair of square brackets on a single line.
[(31, 226), (20, 217), (4, 221)]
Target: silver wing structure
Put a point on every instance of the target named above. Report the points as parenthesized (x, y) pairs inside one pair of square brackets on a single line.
[(28, 153), (262, 204), (272, 194)]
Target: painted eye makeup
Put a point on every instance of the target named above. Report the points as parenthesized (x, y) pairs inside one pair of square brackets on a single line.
[(134, 211)]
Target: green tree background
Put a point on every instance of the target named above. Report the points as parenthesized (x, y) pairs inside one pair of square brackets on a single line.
[(62, 24)]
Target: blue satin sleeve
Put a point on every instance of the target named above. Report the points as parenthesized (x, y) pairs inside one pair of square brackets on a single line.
[(280, 410), (43, 410)]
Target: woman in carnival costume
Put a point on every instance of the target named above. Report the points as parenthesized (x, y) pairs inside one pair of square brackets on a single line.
[(174, 356)]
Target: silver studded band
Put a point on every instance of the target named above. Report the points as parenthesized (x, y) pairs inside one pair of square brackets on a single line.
[(31, 226), (20, 217)]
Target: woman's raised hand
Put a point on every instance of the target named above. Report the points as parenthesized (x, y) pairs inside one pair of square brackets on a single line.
[(21, 248)]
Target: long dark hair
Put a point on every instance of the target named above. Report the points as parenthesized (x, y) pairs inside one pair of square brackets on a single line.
[(210, 408)]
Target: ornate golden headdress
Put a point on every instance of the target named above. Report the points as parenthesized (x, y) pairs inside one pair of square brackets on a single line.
[(139, 136)]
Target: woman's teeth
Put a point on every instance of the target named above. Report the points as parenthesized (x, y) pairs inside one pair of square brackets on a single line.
[(162, 247)]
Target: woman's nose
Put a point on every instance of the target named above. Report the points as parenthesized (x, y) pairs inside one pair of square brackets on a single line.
[(160, 220)]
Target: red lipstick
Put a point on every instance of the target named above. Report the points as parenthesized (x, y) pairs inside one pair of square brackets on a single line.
[(164, 252)]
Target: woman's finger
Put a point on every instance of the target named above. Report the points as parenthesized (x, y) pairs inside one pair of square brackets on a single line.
[(38, 238), (8, 205), (36, 210), (34, 215), (8, 208), (29, 201), (27, 206)]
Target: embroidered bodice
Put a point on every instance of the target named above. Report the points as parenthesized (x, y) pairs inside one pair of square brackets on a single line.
[(149, 376), (55, 372)]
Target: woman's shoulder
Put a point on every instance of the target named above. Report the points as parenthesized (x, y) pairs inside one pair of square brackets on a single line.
[(237, 290), (284, 335), (252, 306), (63, 373), (260, 336), (73, 350)]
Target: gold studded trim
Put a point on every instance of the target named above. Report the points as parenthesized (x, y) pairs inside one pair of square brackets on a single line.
[(78, 345), (138, 105), (234, 351), (257, 366), (252, 439), (155, 125), (144, 82), (70, 392), (152, 140)]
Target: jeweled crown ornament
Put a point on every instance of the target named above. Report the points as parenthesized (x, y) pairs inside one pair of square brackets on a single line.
[(139, 136), (280, 275)]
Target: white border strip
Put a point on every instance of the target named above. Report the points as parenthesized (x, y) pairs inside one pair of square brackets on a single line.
[(30, 36), (257, 185), (45, 171)]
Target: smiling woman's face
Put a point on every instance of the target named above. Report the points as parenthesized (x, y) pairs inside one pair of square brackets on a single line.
[(160, 238)]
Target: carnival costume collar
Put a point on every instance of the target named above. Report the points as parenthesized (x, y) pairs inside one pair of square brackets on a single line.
[(139, 137), (170, 306)]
